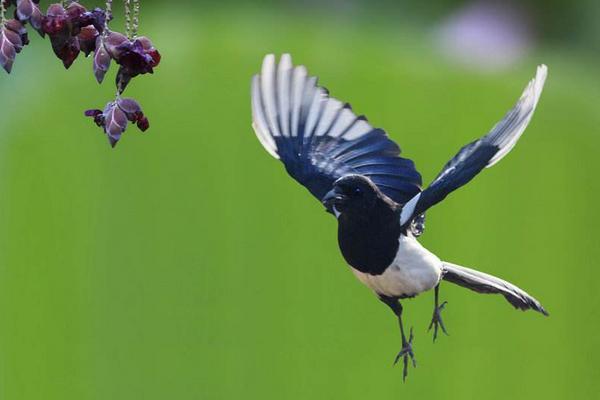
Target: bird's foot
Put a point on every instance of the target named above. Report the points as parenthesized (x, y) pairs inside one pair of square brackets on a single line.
[(436, 320), (405, 353)]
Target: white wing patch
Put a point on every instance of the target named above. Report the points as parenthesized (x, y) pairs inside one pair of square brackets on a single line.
[(408, 209), (284, 98)]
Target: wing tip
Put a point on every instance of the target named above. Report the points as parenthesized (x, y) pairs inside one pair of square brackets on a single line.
[(271, 59), (527, 103), (534, 89), (542, 71), (540, 79)]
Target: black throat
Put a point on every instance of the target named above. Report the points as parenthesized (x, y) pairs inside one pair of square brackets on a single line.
[(369, 239)]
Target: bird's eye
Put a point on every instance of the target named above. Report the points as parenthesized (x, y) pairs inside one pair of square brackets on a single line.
[(358, 191)]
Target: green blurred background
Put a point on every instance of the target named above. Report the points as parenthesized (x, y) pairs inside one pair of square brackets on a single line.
[(186, 264)]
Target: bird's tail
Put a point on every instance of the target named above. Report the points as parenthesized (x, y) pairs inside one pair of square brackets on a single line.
[(484, 283)]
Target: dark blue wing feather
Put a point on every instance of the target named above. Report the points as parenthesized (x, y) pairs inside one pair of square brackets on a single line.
[(480, 154), (319, 139)]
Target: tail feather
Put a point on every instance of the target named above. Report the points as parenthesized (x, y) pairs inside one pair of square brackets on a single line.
[(484, 283)]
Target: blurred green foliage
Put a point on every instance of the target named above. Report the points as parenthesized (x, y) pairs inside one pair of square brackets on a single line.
[(571, 23), (186, 264)]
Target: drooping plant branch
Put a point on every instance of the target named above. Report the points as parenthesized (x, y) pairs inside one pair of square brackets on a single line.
[(73, 29)]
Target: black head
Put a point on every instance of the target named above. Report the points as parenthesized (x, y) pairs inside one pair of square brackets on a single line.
[(352, 193)]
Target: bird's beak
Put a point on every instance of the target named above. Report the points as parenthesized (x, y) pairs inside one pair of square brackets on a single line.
[(332, 197)]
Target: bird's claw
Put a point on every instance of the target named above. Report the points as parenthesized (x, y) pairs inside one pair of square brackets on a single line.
[(436, 321), (405, 353)]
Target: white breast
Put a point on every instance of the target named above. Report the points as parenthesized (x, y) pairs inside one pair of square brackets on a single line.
[(414, 270)]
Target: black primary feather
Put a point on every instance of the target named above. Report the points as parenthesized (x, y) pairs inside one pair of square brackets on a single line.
[(480, 154), (319, 139)]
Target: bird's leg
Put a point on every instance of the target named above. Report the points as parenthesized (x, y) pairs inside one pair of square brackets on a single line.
[(436, 320), (406, 351)]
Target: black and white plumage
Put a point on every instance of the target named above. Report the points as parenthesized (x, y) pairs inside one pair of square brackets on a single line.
[(356, 171), (319, 139)]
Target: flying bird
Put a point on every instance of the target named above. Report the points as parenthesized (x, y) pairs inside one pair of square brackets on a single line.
[(357, 173)]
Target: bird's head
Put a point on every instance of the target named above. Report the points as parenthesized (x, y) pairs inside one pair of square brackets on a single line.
[(352, 193)]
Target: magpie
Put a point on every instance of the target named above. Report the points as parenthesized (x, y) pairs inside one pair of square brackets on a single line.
[(357, 173)]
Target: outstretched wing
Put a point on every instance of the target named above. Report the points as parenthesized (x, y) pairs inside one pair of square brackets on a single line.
[(319, 139), (480, 154)]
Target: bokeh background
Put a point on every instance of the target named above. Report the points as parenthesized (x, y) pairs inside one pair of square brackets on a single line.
[(185, 264)]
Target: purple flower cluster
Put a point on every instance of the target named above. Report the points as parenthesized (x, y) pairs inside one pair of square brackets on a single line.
[(134, 57), (13, 36), (27, 11), (72, 29), (115, 116)]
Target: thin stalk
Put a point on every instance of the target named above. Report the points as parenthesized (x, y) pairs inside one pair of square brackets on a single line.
[(107, 16), (127, 18), (2, 12), (136, 18)]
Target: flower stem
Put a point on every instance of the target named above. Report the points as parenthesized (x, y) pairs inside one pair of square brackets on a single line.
[(107, 15), (127, 18), (136, 18), (2, 12)]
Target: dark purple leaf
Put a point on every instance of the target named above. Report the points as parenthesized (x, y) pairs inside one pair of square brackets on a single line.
[(7, 52), (145, 42), (96, 17), (6, 63), (130, 107), (14, 38), (98, 116), (67, 50), (24, 9), (55, 10), (101, 61), (155, 57), (92, 112), (36, 20), (150, 50), (75, 10), (112, 42), (143, 124), (115, 124), (55, 21), (18, 28), (87, 39)]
